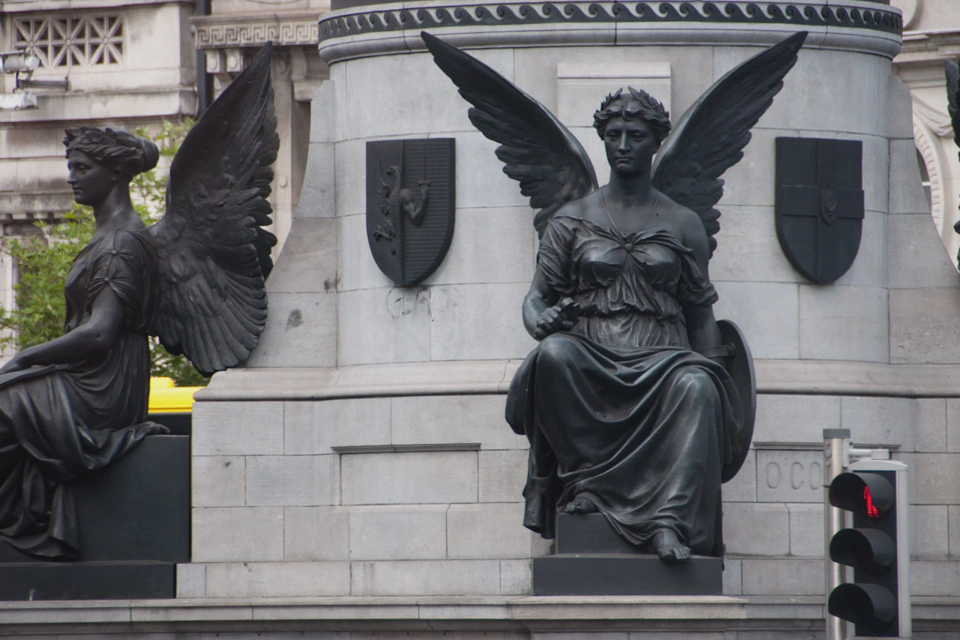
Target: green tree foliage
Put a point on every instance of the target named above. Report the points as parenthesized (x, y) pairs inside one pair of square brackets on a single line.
[(44, 259)]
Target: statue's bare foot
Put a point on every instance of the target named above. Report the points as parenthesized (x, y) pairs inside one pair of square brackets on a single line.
[(580, 505), (669, 547)]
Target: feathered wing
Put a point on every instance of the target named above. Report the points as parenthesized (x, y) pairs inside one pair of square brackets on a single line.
[(953, 97), (711, 135), (537, 150), (213, 254)]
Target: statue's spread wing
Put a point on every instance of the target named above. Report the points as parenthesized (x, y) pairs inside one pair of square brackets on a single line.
[(537, 150), (711, 135), (953, 97), (213, 254)]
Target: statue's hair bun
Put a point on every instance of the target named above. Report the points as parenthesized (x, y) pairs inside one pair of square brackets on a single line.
[(150, 154)]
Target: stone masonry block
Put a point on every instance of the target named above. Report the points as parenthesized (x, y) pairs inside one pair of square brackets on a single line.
[(301, 331), (516, 577), (909, 422), (434, 108), (237, 534), (308, 262), (489, 245), (783, 576), (953, 522), (937, 478), (315, 533), (481, 182), (278, 579), (929, 531), (923, 327), (237, 428), (488, 530), (844, 323), (503, 475), (906, 188), (314, 427), (934, 578), (953, 425), (748, 247), (409, 478), (191, 580), (478, 322), (398, 533), (742, 488), (446, 419), (742, 521), (358, 270), (384, 325), (911, 237), (426, 577), (351, 170), (299, 481), (768, 313), (217, 481), (732, 577), (317, 194), (806, 530), (790, 418)]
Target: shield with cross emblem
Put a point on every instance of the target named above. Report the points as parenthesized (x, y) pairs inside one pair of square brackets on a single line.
[(819, 207)]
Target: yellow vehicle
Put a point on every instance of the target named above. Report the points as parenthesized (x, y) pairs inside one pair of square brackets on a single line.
[(171, 405)]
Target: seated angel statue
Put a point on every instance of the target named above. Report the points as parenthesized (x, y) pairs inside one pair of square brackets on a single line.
[(195, 279), (627, 402)]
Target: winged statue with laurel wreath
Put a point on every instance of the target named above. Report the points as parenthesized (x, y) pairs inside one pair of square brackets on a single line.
[(195, 279), (637, 403)]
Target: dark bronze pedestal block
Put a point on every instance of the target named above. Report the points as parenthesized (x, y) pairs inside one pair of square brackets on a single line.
[(592, 559), (134, 523)]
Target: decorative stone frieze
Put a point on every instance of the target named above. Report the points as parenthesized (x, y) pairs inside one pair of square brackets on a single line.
[(231, 31), (398, 18)]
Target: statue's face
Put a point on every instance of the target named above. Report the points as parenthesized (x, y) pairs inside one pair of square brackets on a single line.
[(630, 146), (90, 180)]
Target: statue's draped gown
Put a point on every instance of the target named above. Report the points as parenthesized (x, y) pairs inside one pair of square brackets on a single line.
[(619, 410), (58, 422)]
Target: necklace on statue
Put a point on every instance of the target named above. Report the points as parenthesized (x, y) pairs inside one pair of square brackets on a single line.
[(653, 210)]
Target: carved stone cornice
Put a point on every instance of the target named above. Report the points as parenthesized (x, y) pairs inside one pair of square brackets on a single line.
[(236, 31), (375, 30), (928, 46)]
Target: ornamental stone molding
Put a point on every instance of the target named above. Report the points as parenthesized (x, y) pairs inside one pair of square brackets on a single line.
[(233, 31), (862, 25)]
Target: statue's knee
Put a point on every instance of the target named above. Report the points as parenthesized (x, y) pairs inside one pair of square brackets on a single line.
[(693, 381), (555, 350)]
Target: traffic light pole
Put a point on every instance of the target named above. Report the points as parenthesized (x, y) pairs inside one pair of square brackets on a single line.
[(833, 444)]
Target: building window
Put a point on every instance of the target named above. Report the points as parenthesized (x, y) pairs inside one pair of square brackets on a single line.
[(71, 41)]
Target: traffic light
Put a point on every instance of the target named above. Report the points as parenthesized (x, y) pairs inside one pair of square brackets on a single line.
[(877, 547)]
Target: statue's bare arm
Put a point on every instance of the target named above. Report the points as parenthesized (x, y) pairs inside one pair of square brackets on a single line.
[(540, 310), (91, 339), (702, 329)]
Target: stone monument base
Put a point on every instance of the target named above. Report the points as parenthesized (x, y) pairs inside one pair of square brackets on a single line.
[(134, 523)]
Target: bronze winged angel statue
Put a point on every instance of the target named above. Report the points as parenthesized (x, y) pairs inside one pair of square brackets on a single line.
[(627, 401), (195, 279)]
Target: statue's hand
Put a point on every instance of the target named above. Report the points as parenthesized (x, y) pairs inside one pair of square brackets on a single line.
[(560, 317)]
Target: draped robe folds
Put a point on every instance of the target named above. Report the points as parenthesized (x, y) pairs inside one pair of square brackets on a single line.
[(618, 410), (59, 422)]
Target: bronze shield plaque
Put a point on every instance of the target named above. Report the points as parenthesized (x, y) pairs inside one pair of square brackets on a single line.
[(410, 205), (819, 207)]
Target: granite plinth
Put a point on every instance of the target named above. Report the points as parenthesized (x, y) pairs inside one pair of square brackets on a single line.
[(610, 574)]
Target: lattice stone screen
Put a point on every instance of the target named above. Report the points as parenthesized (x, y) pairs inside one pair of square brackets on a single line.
[(71, 41)]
